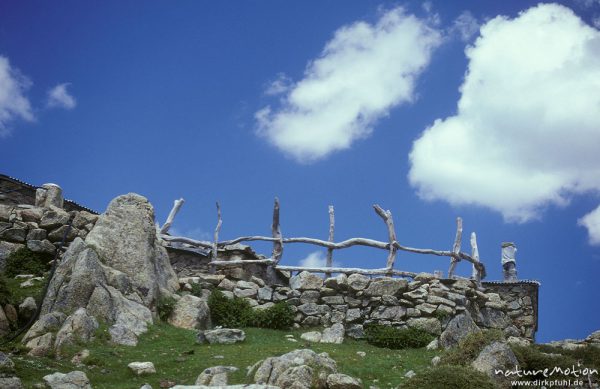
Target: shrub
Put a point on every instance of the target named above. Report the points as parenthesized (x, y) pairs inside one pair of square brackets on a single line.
[(449, 377), (470, 346), (25, 261), (589, 356), (165, 306), (279, 317), (231, 313), (196, 289), (394, 338), (237, 312)]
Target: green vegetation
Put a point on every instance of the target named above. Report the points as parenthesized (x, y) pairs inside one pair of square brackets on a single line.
[(540, 357), (25, 261), (469, 348), (178, 358), (449, 377), (237, 312), (394, 338), (166, 305)]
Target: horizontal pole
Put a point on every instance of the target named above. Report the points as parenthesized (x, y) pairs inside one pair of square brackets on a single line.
[(348, 270)]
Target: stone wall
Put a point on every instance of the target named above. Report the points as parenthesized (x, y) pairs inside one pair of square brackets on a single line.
[(521, 303), (39, 228), (356, 300)]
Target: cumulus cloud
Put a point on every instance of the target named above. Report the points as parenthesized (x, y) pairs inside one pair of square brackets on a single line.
[(363, 71), (465, 25), (527, 129), (13, 102), (59, 97), (591, 221), (315, 259)]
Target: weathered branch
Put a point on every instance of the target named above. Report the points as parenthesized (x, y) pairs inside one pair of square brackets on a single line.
[(176, 205), (329, 261), (347, 270), (276, 231), (191, 242), (456, 247), (240, 262), (389, 222), (317, 242), (217, 230), (476, 274)]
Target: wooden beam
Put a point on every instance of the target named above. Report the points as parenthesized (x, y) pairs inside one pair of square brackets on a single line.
[(389, 222), (476, 274), (455, 258), (276, 232), (329, 261), (176, 205), (215, 247), (345, 270)]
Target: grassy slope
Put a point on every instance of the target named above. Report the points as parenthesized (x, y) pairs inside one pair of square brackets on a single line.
[(178, 358)]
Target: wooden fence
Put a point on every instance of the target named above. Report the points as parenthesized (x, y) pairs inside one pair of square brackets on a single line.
[(392, 246)]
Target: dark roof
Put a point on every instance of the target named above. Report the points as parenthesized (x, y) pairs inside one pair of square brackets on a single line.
[(33, 187), (530, 282)]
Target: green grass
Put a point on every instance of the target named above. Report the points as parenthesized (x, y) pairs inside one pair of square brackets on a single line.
[(18, 294), (178, 358)]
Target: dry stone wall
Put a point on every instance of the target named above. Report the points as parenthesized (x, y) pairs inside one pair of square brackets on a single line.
[(39, 228), (356, 300)]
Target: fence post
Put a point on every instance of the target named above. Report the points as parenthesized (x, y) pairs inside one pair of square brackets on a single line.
[(456, 248)]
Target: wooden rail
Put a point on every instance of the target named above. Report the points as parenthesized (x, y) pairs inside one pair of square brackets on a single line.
[(392, 246)]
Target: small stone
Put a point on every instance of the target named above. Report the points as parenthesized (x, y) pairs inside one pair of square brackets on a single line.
[(306, 281), (342, 381), (121, 334), (73, 380), (224, 336), (141, 368), (358, 282), (80, 356), (435, 360), (361, 354), (333, 334), (410, 374), (312, 336)]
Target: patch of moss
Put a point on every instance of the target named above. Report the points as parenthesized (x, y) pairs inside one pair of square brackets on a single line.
[(25, 261)]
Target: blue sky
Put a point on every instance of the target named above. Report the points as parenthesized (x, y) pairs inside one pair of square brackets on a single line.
[(484, 110)]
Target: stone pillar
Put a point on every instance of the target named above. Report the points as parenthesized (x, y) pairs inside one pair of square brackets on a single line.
[(509, 263), (49, 195)]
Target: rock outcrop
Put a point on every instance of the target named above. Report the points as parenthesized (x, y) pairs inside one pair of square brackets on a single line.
[(117, 274)]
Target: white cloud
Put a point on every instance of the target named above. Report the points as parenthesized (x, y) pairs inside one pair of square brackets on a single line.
[(363, 71), (281, 85), (59, 97), (588, 3), (591, 221), (13, 103), (596, 21), (527, 130), (315, 259), (465, 25)]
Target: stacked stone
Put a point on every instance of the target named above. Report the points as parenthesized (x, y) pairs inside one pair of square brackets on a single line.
[(426, 302), (519, 304), (39, 228)]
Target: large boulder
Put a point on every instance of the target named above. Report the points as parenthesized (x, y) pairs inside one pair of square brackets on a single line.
[(496, 356), (80, 326), (125, 238), (223, 336), (118, 273), (190, 312), (460, 326), (298, 369)]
